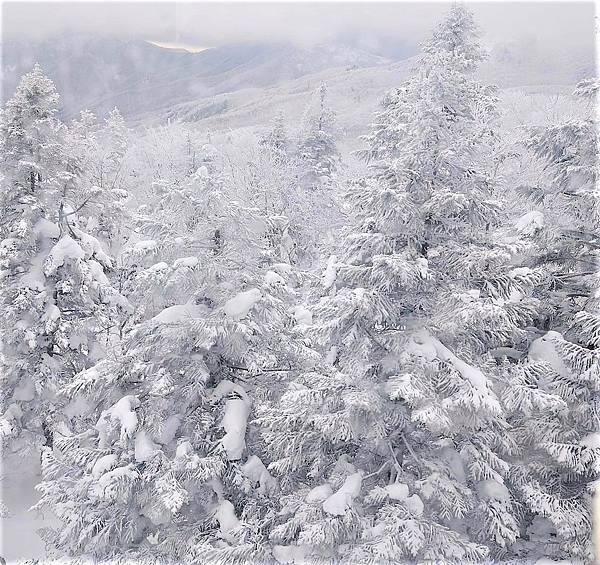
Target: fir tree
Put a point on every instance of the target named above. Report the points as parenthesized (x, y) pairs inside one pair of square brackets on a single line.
[(56, 296), (553, 396), (402, 438)]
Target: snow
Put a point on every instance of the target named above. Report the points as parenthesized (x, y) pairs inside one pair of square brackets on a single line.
[(169, 429), (330, 273), (46, 229), (186, 262), (157, 268), (591, 440), (25, 392), (543, 350), (225, 515), (123, 412), (66, 248), (491, 489), (397, 491), (415, 505), (146, 245), (303, 316), (291, 553), (104, 464), (429, 347), (273, 279), (179, 313), (530, 222), (145, 448), (320, 493), (234, 423), (106, 478), (340, 501), (240, 305), (255, 470)]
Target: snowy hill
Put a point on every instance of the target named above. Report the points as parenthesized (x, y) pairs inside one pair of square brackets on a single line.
[(140, 77)]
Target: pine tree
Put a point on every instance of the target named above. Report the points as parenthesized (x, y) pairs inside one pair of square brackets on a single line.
[(553, 395), (402, 437), (56, 296)]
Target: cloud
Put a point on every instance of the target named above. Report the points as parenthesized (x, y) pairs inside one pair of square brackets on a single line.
[(570, 24)]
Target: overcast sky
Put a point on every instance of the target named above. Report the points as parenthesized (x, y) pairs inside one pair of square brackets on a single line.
[(565, 24)]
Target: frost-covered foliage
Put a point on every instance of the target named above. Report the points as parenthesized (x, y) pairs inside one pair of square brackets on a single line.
[(57, 300), (424, 291), (219, 357), (553, 396), (316, 146)]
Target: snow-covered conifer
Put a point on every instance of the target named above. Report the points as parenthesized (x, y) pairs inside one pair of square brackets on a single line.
[(56, 296), (403, 432)]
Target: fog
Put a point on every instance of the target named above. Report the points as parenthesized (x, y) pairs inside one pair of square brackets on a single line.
[(568, 25)]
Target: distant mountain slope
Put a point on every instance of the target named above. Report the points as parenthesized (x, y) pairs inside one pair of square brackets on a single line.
[(139, 77)]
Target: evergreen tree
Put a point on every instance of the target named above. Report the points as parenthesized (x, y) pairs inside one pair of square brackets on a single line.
[(316, 147), (402, 437), (56, 296), (166, 466), (553, 396)]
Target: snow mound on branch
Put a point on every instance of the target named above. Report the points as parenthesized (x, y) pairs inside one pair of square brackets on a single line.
[(491, 489), (145, 448), (110, 476), (291, 553), (65, 248), (179, 313), (45, 229), (255, 470), (430, 348), (341, 500), (543, 350), (415, 505), (104, 464), (330, 273), (320, 493), (397, 491), (123, 412), (530, 222), (273, 279), (234, 423), (186, 262), (225, 515), (146, 245), (591, 440), (303, 316), (240, 305)]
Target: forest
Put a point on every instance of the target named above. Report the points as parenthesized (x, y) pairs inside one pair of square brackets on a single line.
[(258, 351)]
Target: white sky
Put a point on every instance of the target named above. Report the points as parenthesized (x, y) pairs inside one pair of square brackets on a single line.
[(566, 24)]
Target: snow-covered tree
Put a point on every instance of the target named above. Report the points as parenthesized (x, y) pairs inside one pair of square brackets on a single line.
[(317, 151), (55, 294), (275, 139), (166, 464), (101, 151), (401, 436), (553, 395)]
